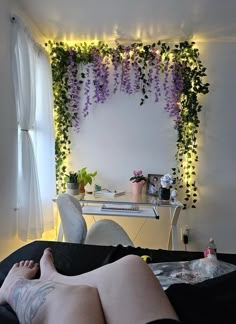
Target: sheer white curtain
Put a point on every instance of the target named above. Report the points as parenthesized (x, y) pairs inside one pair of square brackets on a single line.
[(28, 84), (43, 138)]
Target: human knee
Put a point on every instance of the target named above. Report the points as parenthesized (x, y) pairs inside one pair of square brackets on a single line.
[(132, 261), (85, 289)]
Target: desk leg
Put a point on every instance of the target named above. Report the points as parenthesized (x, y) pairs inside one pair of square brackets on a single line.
[(173, 235), (60, 234)]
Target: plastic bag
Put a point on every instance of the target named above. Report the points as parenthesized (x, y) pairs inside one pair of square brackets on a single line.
[(190, 272)]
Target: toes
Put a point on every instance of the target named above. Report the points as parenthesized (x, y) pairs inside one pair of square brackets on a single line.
[(48, 251), (16, 265), (26, 264), (31, 264), (21, 263), (34, 265)]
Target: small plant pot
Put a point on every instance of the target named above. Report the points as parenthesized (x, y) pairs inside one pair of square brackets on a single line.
[(81, 188), (164, 194), (137, 187), (72, 188)]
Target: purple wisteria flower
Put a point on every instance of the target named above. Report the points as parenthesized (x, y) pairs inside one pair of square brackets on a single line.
[(101, 74), (131, 72), (166, 85), (87, 91), (125, 85), (175, 87), (136, 70), (73, 93), (116, 66), (150, 77), (157, 67)]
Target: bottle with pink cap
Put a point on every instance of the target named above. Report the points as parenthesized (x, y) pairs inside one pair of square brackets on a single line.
[(211, 248)]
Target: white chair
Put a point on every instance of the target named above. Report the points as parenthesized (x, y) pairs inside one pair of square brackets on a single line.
[(73, 225), (107, 232)]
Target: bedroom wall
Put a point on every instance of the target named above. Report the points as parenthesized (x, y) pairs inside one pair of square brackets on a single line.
[(119, 136), (8, 133), (215, 214)]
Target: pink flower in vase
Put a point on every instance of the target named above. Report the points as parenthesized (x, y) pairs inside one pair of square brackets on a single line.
[(138, 176), (137, 182)]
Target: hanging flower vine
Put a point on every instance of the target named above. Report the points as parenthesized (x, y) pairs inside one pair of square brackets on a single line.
[(84, 74)]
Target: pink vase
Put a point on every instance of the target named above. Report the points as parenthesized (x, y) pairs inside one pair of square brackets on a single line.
[(137, 187)]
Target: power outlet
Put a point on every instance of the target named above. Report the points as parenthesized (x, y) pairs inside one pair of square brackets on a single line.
[(184, 232)]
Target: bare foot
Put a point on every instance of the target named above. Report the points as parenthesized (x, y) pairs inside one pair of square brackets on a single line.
[(47, 267), (22, 270)]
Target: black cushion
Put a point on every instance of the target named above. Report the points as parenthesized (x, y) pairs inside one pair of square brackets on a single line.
[(74, 259)]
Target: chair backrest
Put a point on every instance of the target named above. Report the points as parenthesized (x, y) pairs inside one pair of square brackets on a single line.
[(107, 232), (72, 220)]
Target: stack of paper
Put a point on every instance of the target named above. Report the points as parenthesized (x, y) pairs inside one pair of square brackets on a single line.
[(108, 193)]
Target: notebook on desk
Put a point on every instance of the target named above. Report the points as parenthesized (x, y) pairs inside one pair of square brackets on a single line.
[(108, 193)]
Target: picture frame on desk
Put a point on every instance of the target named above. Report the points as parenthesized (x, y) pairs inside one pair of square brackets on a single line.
[(153, 184)]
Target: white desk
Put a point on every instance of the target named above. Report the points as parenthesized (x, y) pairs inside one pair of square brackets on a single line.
[(148, 208)]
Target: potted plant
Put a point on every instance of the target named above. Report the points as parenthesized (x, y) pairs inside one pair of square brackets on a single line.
[(85, 178), (166, 182), (138, 180), (72, 185)]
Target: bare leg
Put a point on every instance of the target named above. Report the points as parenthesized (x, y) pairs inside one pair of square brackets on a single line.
[(128, 290), (39, 302)]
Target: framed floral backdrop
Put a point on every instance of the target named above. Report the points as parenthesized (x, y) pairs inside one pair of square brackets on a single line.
[(94, 72)]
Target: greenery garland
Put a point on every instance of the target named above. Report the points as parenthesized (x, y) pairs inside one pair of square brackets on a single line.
[(158, 69)]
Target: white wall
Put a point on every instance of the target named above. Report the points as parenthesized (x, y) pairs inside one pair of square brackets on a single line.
[(215, 215), (8, 128), (121, 136)]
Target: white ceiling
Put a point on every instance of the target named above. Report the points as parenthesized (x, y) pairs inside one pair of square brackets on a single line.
[(149, 20)]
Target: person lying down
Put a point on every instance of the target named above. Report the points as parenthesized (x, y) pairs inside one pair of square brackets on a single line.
[(123, 292)]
